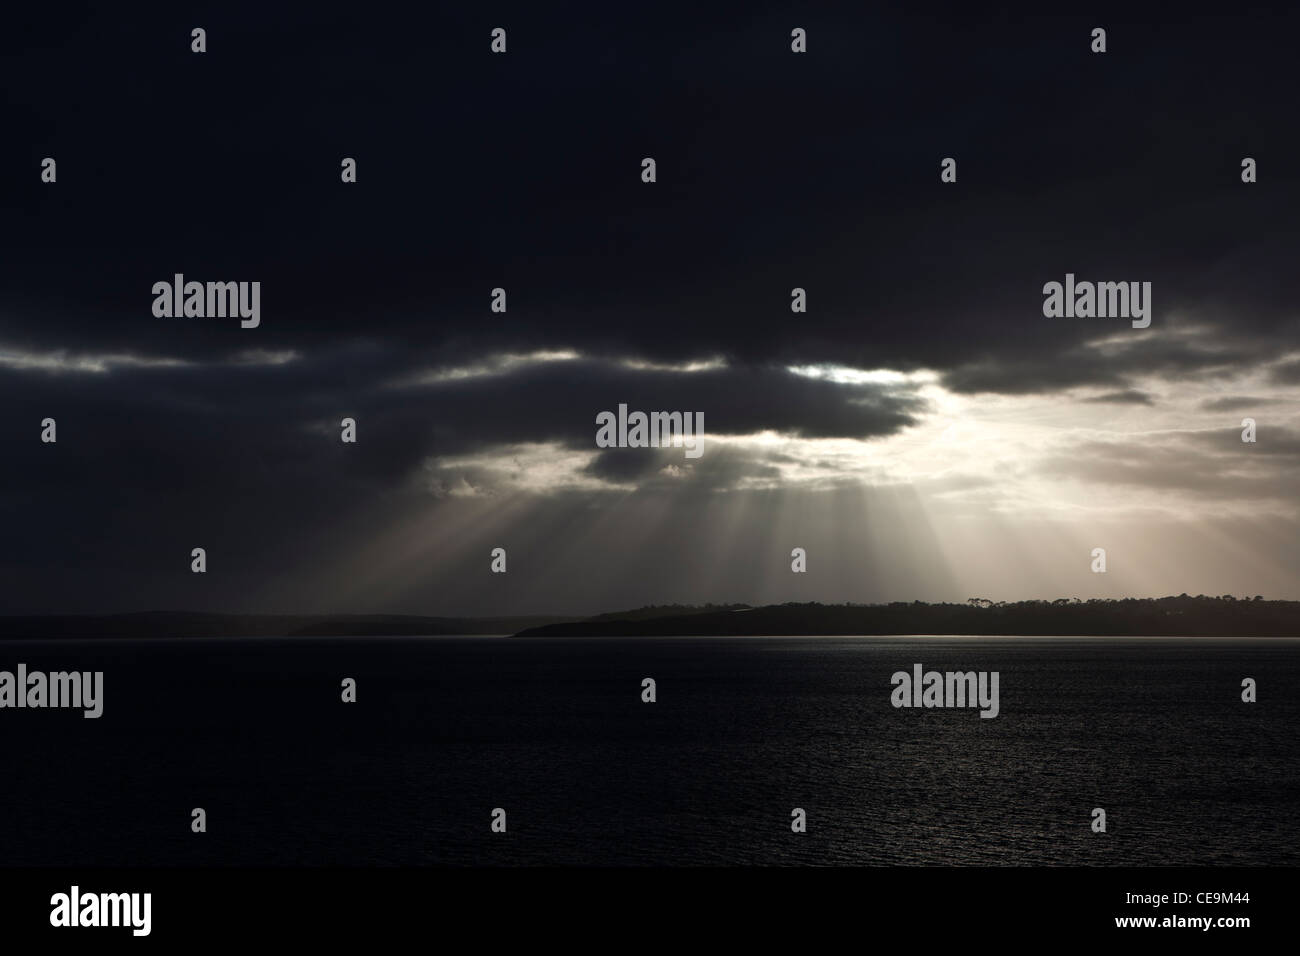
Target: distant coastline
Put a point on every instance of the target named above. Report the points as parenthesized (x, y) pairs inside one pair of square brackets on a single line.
[(1181, 616)]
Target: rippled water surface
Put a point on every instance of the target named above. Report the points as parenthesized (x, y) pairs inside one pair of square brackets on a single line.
[(744, 730)]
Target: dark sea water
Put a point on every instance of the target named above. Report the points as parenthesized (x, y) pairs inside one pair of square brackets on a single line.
[(744, 730)]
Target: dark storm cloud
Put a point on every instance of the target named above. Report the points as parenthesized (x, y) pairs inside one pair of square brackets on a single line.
[(1126, 397), (1177, 354), (630, 464), (522, 171), (1287, 373), (559, 401), (721, 468), (288, 409), (1236, 403)]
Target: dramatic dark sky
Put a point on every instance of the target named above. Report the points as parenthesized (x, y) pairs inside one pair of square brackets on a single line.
[(923, 430)]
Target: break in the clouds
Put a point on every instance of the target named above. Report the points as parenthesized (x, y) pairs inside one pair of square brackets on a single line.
[(923, 430)]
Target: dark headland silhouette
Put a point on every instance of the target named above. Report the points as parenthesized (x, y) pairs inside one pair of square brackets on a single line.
[(1180, 616)]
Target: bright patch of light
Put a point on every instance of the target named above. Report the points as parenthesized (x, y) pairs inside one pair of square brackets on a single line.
[(266, 357), (59, 362), (495, 365), (540, 467), (704, 365), (844, 375)]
